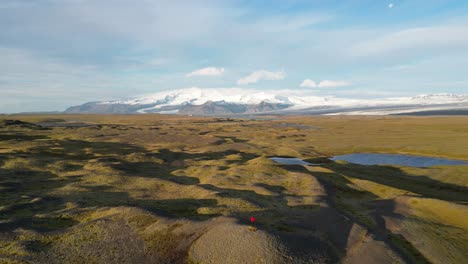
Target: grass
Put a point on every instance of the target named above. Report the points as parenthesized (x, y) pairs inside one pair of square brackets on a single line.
[(438, 211), (401, 243), (63, 184)]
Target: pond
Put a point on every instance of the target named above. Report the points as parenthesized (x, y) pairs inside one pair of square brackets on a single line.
[(291, 161), (397, 159), (63, 124)]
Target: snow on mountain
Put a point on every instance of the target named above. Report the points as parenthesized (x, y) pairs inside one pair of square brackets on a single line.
[(199, 96), (278, 100), (441, 98)]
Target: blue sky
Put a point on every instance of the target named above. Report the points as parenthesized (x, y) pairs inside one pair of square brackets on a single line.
[(57, 53)]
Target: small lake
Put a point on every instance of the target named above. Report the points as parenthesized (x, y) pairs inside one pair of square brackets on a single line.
[(397, 159), (63, 124), (291, 161)]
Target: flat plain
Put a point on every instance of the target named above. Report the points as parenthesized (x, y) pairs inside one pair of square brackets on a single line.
[(179, 189)]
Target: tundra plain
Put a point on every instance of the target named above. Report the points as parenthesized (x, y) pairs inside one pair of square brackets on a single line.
[(176, 189)]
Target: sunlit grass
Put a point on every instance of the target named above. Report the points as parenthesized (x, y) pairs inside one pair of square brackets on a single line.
[(148, 171)]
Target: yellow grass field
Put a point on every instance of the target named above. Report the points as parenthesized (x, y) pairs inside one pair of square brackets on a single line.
[(178, 189)]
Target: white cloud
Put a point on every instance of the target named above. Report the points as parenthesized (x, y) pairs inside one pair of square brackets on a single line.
[(391, 5), (308, 83), (328, 83), (261, 75), (208, 71), (323, 84)]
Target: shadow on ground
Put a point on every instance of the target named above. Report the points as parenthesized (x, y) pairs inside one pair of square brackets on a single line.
[(315, 231)]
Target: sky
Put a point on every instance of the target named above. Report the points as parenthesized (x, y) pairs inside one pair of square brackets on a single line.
[(58, 53)]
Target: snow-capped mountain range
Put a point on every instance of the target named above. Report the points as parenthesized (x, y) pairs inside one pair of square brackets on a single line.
[(198, 101)]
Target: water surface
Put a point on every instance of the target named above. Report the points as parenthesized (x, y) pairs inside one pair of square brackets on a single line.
[(397, 159), (291, 161), (63, 124)]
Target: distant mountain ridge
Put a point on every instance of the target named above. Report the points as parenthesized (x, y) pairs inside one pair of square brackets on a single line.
[(226, 101)]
